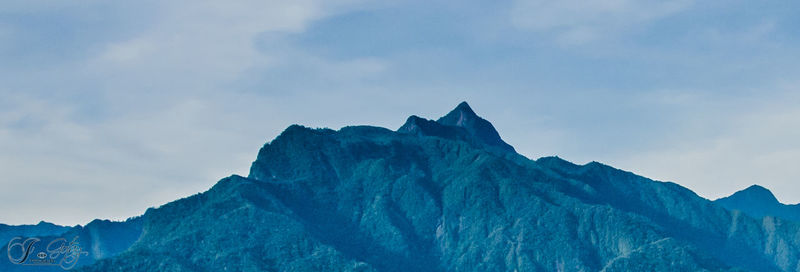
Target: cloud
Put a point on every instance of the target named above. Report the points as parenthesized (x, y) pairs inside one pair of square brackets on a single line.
[(122, 122), (206, 41), (115, 107), (576, 22)]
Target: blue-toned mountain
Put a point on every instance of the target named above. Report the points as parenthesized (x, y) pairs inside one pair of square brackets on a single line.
[(445, 195), (758, 202), (99, 239), (41, 229)]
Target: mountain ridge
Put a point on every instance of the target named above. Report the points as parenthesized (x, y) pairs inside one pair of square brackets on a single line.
[(99, 239), (434, 196), (444, 196)]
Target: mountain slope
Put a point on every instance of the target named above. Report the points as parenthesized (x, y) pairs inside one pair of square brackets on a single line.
[(42, 229), (99, 238), (758, 202), (445, 196)]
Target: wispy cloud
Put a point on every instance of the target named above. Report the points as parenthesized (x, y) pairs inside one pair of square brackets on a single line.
[(576, 22), (144, 117), (115, 107)]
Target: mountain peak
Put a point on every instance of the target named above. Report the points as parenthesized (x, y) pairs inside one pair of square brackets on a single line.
[(463, 116), (758, 202), (756, 193), (464, 108), (459, 116), (412, 124)]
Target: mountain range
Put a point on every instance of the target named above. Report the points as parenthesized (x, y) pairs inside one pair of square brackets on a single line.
[(99, 238), (444, 195)]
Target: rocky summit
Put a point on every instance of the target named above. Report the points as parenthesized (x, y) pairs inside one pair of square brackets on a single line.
[(445, 195), (759, 202)]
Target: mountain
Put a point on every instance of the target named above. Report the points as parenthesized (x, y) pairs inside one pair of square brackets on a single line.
[(445, 195), (42, 229), (758, 202), (99, 238), (461, 123)]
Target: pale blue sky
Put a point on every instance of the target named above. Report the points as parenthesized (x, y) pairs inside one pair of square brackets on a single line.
[(108, 108)]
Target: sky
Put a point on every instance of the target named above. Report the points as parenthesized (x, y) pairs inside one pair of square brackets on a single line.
[(108, 108)]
